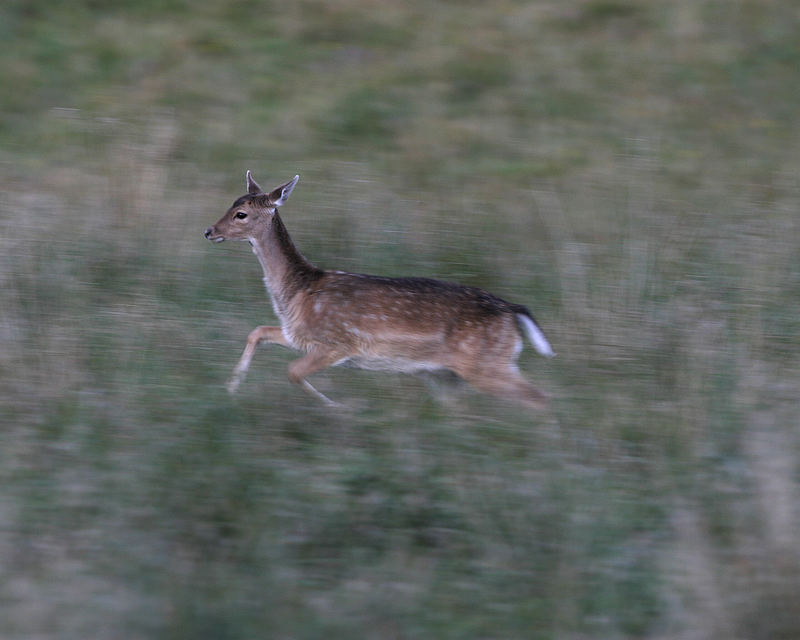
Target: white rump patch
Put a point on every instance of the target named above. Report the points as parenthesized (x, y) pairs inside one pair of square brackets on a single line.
[(536, 336), (517, 348)]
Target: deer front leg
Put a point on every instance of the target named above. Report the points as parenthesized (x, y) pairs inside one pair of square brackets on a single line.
[(272, 335), (311, 362)]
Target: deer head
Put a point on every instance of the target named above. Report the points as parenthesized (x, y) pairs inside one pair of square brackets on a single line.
[(251, 212)]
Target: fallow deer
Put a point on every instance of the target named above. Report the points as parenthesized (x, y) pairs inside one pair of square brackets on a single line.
[(372, 322)]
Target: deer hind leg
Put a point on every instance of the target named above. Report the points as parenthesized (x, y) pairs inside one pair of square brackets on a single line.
[(492, 368), (272, 335), (507, 382), (310, 363)]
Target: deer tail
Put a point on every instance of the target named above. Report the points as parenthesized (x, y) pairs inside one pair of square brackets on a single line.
[(534, 333)]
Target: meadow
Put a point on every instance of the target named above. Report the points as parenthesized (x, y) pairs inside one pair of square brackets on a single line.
[(628, 169)]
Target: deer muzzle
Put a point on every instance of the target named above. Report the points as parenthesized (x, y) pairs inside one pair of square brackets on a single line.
[(211, 234)]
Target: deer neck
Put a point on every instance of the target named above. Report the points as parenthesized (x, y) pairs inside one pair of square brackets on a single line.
[(286, 271)]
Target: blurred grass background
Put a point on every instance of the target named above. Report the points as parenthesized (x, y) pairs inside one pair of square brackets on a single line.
[(627, 168)]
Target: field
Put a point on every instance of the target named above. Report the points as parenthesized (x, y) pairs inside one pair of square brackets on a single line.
[(628, 169)]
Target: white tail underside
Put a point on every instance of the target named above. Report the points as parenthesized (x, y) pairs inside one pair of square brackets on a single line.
[(536, 336)]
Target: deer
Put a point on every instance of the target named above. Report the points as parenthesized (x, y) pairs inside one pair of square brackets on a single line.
[(408, 325)]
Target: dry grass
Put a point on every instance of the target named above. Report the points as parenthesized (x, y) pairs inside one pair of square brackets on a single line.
[(627, 169)]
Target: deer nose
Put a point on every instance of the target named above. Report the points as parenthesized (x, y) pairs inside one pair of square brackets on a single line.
[(209, 231)]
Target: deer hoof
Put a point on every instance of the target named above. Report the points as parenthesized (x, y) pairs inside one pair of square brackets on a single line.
[(233, 384)]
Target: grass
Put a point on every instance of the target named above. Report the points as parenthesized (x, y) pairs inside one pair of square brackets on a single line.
[(626, 169)]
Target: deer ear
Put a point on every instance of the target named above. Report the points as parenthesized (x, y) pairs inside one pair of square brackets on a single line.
[(252, 185), (281, 194)]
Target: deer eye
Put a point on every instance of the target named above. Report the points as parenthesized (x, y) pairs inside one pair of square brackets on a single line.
[(241, 215)]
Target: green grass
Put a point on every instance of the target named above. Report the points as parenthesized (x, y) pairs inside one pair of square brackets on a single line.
[(626, 169)]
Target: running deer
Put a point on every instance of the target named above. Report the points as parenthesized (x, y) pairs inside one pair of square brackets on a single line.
[(376, 323)]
